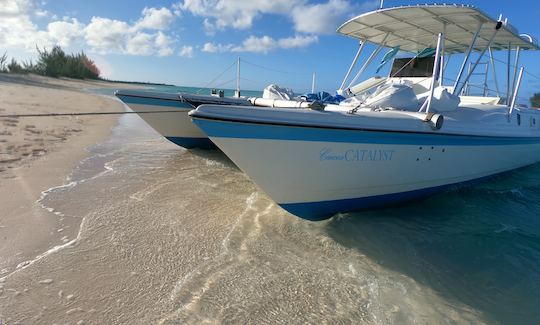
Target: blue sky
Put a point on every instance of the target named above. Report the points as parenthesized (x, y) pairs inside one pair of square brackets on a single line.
[(190, 42)]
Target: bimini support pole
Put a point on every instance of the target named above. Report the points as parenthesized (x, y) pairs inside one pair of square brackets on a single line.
[(237, 92), (467, 56), (436, 70), (516, 91), (369, 60), (434, 120), (458, 90), (516, 63), (508, 64), (360, 49), (492, 61), (442, 65)]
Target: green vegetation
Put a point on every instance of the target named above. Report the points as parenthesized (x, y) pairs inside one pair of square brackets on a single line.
[(535, 100), (54, 63), (3, 60)]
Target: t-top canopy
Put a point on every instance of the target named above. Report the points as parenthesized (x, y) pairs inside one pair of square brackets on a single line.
[(414, 28)]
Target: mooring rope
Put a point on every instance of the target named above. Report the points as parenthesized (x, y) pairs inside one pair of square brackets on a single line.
[(85, 114)]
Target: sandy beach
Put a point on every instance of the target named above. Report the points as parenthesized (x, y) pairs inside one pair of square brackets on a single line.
[(37, 153)]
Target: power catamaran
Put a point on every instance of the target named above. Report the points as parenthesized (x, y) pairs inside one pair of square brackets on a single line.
[(411, 137), (167, 113)]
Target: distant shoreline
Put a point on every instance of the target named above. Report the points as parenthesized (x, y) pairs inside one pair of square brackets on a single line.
[(136, 82)]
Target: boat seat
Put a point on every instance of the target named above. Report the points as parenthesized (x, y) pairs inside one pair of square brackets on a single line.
[(443, 100), (394, 96)]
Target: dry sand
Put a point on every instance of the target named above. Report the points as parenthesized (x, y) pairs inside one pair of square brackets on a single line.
[(37, 153)]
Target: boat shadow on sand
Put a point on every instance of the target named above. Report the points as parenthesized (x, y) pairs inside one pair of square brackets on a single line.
[(479, 246)]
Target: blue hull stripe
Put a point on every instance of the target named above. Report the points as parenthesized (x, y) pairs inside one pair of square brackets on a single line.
[(191, 143), (246, 130), (154, 101), (316, 211)]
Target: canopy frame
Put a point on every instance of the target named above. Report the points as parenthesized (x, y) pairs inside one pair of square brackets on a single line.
[(415, 27)]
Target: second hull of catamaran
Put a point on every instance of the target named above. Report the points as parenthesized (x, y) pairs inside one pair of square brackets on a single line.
[(167, 113), (315, 164)]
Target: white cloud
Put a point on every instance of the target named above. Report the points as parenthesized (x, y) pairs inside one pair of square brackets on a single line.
[(65, 32), (236, 13), (217, 48), (186, 51), (41, 13), (319, 18), (16, 26), (107, 35), (297, 41), (262, 44), (15, 8), (163, 44), (140, 44), (209, 28), (102, 35), (152, 18), (112, 36), (148, 34)]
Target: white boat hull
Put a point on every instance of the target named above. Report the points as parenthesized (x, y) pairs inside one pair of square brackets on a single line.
[(174, 126), (167, 114), (316, 172)]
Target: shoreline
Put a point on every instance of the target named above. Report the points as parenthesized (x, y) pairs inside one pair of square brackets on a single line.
[(37, 154)]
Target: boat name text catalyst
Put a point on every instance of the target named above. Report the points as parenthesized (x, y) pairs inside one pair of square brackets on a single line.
[(355, 155)]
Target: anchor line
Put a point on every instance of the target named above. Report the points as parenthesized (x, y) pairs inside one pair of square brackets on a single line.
[(86, 114)]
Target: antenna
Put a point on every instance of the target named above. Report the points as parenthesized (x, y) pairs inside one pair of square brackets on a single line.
[(382, 4), (313, 83)]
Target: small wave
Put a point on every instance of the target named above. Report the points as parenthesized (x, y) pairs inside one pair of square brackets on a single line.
[(517, 191), (55, 249), (505, 228)]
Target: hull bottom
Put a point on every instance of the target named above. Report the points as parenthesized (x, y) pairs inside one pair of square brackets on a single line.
[(317, 211), (192, 143)]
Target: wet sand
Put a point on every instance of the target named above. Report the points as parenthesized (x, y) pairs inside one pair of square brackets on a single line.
[(38, 153)]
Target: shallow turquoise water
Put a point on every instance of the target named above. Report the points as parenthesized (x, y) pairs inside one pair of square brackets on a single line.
[(479, 245), (176, 89), (205, 91)]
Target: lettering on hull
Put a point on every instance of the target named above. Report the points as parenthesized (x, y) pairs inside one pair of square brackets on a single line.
[(356, 155)]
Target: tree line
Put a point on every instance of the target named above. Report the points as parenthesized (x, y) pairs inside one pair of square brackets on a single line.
[(535, 100), (54, 63)]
